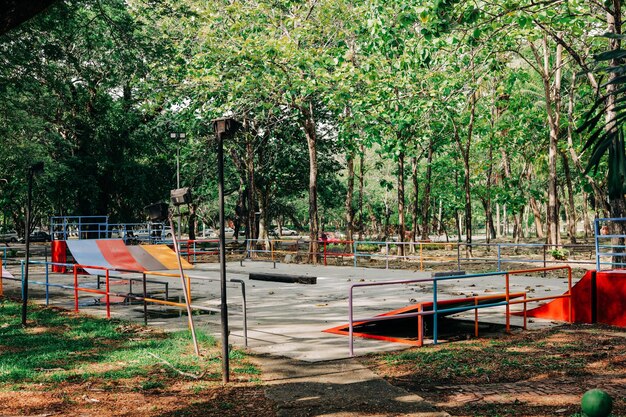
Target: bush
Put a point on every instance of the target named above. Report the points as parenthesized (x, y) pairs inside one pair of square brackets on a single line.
[(559, 254)]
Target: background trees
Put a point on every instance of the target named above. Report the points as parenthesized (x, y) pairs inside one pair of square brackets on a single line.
[(413, 119)]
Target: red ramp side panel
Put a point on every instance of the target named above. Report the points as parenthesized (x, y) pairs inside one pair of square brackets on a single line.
[(610, 301), (59, 255), (117, 254), (611, 290), (558, 309)]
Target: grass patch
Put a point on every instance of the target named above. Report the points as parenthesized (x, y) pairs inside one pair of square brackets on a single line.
[(59, 347), (567, 351)]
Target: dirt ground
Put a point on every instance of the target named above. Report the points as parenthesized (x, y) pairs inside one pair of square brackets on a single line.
[(90, 399), (533, 373)]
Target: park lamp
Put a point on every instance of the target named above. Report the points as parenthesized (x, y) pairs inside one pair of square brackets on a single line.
[(224, 128), (177, 135), (180, 196)]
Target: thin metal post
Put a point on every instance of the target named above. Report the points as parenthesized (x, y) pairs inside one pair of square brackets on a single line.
[(499, 259), (458, 257), (222, 240), (22, 276), (508, 305), (386, 255), (355, 253), (350, 323), (184, 285), (75, 288), (597, 243), (145, 295), (435, 309), (107, 298), (476, 316), (47, 284), (27, 241), (420, 327), (180, 217)]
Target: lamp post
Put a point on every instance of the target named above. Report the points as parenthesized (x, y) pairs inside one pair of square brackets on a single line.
[(34, 169), (178, 137), (224, 128)]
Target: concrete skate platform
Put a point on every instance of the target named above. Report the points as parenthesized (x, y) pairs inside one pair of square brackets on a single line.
[(287, 319)]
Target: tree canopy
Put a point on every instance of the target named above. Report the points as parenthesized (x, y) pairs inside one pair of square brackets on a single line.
[(371, 118)]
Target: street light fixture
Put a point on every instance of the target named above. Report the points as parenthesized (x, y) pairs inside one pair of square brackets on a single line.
[(178, 136), (35, 169), (224, 127)]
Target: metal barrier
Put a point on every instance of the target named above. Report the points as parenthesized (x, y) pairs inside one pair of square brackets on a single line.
[(436, 310), (503, 257), (107, 293), (422, 253), (413, 251), (274, 247), (613, 230)]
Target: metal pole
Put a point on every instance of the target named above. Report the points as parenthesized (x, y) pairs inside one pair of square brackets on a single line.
[(27, 241), (222, 243), (145, 295), (180, 216), (185, 291)]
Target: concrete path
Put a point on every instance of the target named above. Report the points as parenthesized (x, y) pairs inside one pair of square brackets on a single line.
[(342, 388)]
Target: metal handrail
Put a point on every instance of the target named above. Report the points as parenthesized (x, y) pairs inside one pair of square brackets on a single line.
[(436, 311), (108, 293)]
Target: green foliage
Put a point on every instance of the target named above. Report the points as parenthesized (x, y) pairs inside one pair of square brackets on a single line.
[(559, 254), (94, 89)]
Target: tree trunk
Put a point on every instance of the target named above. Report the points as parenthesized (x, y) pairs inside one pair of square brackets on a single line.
[(349, 197), (489, 227), (361, 181), (263, 217), (570, 206), (498, 224), (553, 98), (537, 217), (192, 221), (465, 153), (251, 230), (310, 132), (401, 223), (587, 222), (426, 198), (415, 200)]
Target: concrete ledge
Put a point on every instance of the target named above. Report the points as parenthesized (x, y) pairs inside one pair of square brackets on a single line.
[(448, 273), (293, 279)]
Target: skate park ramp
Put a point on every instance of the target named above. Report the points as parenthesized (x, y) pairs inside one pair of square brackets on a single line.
[(597, 298), (6, 274), (116, 255), (405, 329)]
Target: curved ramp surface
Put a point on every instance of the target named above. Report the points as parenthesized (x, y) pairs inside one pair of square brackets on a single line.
[(115, 255), (87, 252), (6, 274), (599, 297), (166, 256)]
